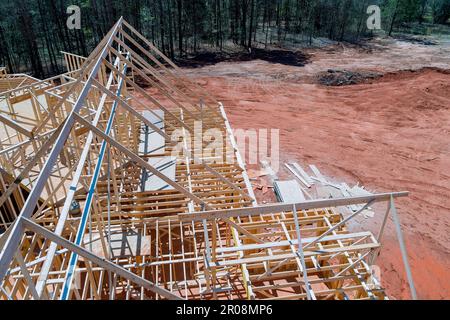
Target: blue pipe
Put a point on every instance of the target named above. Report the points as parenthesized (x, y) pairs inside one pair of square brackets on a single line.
[(87, 207)]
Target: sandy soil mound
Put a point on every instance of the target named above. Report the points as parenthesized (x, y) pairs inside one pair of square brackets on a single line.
[(344, 77)]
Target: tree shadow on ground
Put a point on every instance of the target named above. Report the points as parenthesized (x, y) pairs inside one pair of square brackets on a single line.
[(286, 57)]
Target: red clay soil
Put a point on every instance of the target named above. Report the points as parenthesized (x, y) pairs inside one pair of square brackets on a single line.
[(390, 135)]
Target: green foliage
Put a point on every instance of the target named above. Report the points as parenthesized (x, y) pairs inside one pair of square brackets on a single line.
[(441, 11)]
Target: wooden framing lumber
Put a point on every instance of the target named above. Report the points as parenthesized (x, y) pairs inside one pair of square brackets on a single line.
[(305, 205)]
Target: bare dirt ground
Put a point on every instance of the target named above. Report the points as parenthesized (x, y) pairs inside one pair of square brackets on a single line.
[(390, 134)]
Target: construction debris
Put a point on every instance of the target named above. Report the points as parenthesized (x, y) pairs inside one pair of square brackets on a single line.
[(288, 191), (322, 187)]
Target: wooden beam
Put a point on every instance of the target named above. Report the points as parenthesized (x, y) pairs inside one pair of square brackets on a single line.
[(98, 261), (16, 126), (275, 208)]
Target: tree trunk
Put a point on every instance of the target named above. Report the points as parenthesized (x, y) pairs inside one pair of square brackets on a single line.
[(393, 18), (26, 28), (250, 28), (180, 27)]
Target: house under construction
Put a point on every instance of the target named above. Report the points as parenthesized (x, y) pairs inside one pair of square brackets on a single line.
[(98, 201)]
